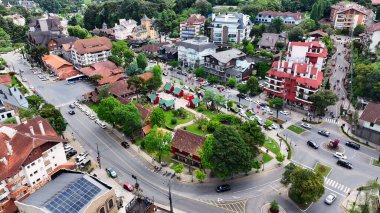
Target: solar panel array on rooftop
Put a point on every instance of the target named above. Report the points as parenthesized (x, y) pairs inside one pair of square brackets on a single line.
[(73, 198)]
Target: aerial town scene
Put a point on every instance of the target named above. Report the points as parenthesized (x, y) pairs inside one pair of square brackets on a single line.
[(189, 106)]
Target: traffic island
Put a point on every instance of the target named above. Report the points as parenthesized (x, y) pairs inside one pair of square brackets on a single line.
[(322, 169), (296, 129), (272, 207)]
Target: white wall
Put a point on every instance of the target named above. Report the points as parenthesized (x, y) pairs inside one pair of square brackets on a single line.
[(375, 39), (375, 127), (298, 54)]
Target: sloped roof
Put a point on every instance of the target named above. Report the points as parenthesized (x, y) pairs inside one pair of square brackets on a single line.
[(152, 96), (375, 2), (92, 45), (55, 61), (195, 19), (120, 88), (195, 100), (187, 141), (177, 90), (296, 16), (13, 96), (318, 32), (228, 55), (167, 103), (167, 86), (146, 76), (371, 113), (344, 6), (5, 79), (108, 70), (268, 39), (144, 112)]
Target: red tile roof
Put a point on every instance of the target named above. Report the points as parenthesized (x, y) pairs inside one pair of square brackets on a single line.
[(108, 70), (371, 113), (120, 89), (145, 112), (195, 19), (187, 142), (146, 76), (318, 32), (63, 68), (314, 83), (5, 79), (26, 147), (375, 2), (92, 45)]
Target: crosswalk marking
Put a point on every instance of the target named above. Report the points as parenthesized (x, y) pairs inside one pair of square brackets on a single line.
[(338, 186), (332, 120)]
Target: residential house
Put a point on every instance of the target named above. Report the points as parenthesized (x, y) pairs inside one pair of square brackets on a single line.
[(169, 52), (146, 76), (56, 45), (124, 29), (192, 27), (266, 17), (230, 27), (85, 52), (178, 92), (153, 98), (230, 63), (104, 32), (144, 111), (144, 31), (268, 41), (118, 90), (11, 101), (185, 147), (151, 49), (168, 88), (369, 123), (30, 152), (59, 66), (167, 104), (371, 38), (194, 102), (348, 15), (109, 72), (42, 30), (71, 191), (375, 2), (17, 19), (314, 52), (317, 35), (5, 79), (191, 52)]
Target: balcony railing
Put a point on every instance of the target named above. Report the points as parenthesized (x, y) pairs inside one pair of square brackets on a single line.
[(274, 79), (272, 89), (19, 192), (306, 88), (275, 85)]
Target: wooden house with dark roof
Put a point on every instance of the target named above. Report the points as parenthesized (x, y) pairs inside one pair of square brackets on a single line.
[(185, 147)]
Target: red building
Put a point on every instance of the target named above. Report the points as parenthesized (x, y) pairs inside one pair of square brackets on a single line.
[(185, 145), (194, 102), (168, 88), (348, 15), (178, 92)]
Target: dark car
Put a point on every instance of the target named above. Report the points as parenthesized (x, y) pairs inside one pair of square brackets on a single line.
[(223, 188), (239, 105), (71, 112), (313, 144), (344, 163), (72, 106), (353, 145), (263, 105), (324, 133), (125, 144), (241, 95), (71, 153)]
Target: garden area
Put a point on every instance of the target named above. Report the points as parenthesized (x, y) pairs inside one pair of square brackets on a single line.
[(272, 145), (322, 169), (194, 128), (296, 129), (176, 117)]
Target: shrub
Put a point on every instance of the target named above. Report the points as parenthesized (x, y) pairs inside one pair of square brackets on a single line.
[(274, 207), (212, 125), (173, 121)]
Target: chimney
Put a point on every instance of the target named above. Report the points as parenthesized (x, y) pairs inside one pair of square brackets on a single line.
[(17, 117), (41, 127), (9, 148), (4, 160), (31, 130)]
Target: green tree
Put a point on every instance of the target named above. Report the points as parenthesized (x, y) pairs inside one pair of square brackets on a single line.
[(226, 141), (5, 41), (295, 34), (200, 175), (277, 25), (210, 98), (115, 59), (231, 82), (95, 77), (258, 30), (178, 169), (106, 109), (129, 117), (137, 83), (308, 25), (276, 103), (359, 29), (220, 101), (157, 118), (230, 103), (103, 92), (77, 31), (249, 49), (36, 52), (132, 69), (243, 88), (328, 85), (212, 79), (252, 135), (155, 82), (54, 117), (378, 14), (142, 61), (200, 72), (166, 21), (253, 86), (280, 158), (323, 99), (158, 141), (203, 7), (35, 102), (262, 68), (121, 54)]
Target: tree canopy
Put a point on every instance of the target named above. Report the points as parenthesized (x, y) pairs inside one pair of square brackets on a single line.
[(323, 99), (141, 61), (158, 141), (77, 31), (157, 118)]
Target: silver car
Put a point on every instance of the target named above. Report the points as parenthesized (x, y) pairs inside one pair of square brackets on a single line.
[(330, 199)]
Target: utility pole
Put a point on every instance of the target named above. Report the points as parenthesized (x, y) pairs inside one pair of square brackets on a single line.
[(98, 158), (170, 197)]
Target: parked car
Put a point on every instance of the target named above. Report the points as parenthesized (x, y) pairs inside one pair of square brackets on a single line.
[(125, 144), (223, 188), (128, 186), (344, 163), (330, 199), (284, 112), (112, 173), (71, 153), (324, 133), (67, 148), (72, 106), (313, 144), (92, 117), (97, 121), (84, 163), (248, 99), (274, 126), (340, 155), (353, 145), (239, 105), (83, 154), (71, 112), (264, 105), (79, 159), (241, 95), (102, 125), (256, 102), (306, 126)]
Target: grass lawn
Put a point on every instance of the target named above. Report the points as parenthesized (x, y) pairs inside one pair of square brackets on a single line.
[(94, 107), (376, 163), (296, 129), (323, 169), (169, 116), (266, 158), (194, 129), (272, 145)]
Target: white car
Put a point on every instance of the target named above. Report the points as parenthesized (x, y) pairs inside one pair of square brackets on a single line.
[(102, 125), (97, 121), (92, 117), (87, 112), (67, 148), (284, 112), (79, 159), (256, 102), (274, 126), (248, 99), (76, 103), (306, 126), (340, 155), (82, 154), (330, 199)]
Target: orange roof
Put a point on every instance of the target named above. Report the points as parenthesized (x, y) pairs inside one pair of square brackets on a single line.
[(146, 75), (5, 79), (92, 45), (146, 129), (109, 71), (55, 61)]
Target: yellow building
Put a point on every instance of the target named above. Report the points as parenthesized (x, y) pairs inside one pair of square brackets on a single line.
[(145, 30)]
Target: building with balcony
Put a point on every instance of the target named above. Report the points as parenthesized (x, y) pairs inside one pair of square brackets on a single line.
[(229, 28), (227, 64), (348, 15), (266, 17), (191, 52), (89, 51), (192, 27), (314, 52), (30, 152)]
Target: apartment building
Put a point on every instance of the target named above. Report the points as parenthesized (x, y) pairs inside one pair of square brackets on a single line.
[(30, 152), (89, 51), (192, 27), (230, 27), (348, 15), (314, 52), (191, 52), (266, 17)]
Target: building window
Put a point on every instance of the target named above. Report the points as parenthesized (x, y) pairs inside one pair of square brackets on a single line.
[(110, 204), (38, 179), (33, 164), (102, 210), (35, 172), (371, 124)]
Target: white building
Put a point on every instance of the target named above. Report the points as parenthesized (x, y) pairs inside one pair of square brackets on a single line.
[(372, 37), (17, 19), (191, 52), (124, 29), (29, 153), (192, 27), (230, 27), (313, 52), (89, 51)]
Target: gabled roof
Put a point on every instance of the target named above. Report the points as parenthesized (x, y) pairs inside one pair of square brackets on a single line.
[(168, 86), (187, 141), (92, 45), (318, 32), (228, 55), (371, 113), (166, 103), (296, 16), (177, 90), (375, 2), (344, 6), (5, 79), (146, 76), (144, 112), (108, 70), (152, 97), (195, 100), (13, 96), (120, 88), (268, 39), (195, 19), (55, 61)]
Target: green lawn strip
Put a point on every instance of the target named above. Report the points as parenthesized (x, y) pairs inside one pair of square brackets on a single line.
[(272, 145), (266, 158), (296, 129), (211, 115), (94, 107), (194, 129), (169, 116), (323, 169)]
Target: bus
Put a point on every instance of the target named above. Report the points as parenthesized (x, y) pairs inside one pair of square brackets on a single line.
[(76, 78)]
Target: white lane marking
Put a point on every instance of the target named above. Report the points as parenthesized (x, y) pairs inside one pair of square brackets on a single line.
[(340, 188), (348, 189), (335, 191)]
